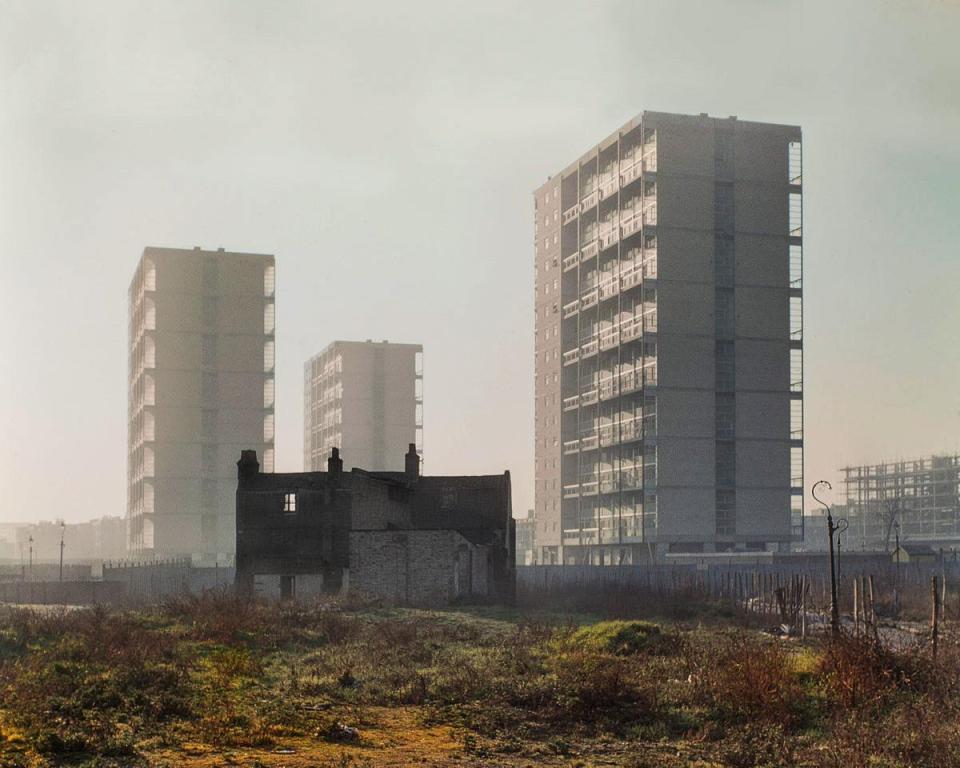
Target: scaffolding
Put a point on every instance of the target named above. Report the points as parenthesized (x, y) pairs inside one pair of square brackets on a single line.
[(915, 499)]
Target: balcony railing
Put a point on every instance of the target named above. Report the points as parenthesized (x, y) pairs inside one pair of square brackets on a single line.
[(571, 446), (609, 288), (632, 224), (609, 338), (608, 186), (589, 201), (650, 265), (571, 491), (589, 398), (608, 388), (631, 172), (571, 261), (609, 237), (588, 488), (650, 374), (570, 403), (650, 214), (650, 321), (570, 214), (589, 250), (631, 328), (570, 309), (589, 442), (630, 277), (589, 299), (589, 349), (570, 357), (630, 381)]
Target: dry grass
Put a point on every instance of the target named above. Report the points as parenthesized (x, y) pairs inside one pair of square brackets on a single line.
[(205, 677)]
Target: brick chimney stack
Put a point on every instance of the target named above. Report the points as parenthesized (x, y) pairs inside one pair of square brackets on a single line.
[(412, 463), (334, 464), (248, 467)]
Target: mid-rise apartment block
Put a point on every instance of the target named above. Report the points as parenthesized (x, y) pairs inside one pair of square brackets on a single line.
[(669, 379), (366, 399), (201, 389), (911, 501)]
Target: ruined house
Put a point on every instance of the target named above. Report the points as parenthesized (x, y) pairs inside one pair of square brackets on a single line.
[(399, 536)]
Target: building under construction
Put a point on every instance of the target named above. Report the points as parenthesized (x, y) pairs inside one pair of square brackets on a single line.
[(916, 500)]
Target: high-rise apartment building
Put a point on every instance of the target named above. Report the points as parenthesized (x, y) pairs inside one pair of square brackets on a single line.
[(365, 398), (201, 389), (669, 379)]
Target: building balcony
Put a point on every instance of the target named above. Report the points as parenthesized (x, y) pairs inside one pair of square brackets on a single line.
[(609, 482), (630, 277), (589, 398), (609, 185), (608, 389), (631, 172), (650, 321), (589, 349), (589, 488), (649, 265), (570, 308), (571, 261), (590, 250), (650, 374), (588, 201), (609, 237), (589, 299), (571, 213), (570, 357), (571, 403), (632, 222), (609, 338), (630, 381), (631, 329), (571, 491), (609, 287), (571, 447), (589, 442)]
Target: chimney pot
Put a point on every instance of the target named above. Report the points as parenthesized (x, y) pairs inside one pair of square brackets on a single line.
[(248, 467), (412, 463), (334, 464)]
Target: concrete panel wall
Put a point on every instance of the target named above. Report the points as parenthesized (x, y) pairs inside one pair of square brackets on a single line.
[(686, 514), (685, 462), (763, 365), (763, 415), (685, 308), (686, 413), (686, 361), (762, 260), (762, 313), (685, 255)]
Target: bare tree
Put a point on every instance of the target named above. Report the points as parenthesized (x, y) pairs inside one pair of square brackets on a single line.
[(890, 506)]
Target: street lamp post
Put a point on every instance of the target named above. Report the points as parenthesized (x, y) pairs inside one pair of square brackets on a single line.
[(30, 540), (840, 527)]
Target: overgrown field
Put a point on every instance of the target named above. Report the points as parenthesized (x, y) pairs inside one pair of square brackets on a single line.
[(218, 682)]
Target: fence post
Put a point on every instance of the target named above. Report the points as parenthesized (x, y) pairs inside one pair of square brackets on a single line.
[(935, 615)]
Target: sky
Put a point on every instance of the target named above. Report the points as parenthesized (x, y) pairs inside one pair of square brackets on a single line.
[(386, 154)]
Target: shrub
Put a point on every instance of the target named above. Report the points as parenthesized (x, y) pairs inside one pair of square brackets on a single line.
[(624, 638)]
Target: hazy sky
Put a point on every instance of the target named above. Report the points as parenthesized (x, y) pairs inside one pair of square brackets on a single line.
[(386, 154)]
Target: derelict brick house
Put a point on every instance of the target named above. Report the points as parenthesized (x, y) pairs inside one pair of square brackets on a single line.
[(399, 536)]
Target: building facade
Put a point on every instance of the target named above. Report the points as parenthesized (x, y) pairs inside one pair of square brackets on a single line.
[(398, 536), (366, 399), (201, 389), (915, 501), (668, 343)]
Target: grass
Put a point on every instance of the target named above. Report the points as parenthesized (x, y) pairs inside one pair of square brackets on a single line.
[(214, 681)]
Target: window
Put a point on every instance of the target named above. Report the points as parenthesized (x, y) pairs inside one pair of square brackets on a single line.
[(725, 416), (724, 318), (723, 211), (723, 260), (726, 464), (726, 512), (289, 503), (725, 366)]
